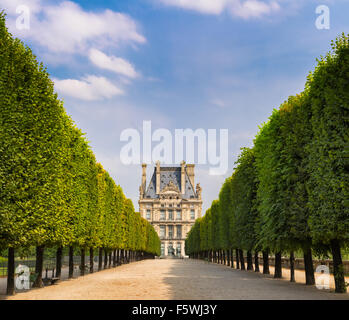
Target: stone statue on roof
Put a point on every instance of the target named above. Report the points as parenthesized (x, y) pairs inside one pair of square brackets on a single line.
[(198, 190)]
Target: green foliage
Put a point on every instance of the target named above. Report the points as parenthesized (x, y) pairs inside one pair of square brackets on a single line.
[(281, 170), (328, 153), (290, 191), (225, 213), (33, 135), (52, 191), (243, 184)]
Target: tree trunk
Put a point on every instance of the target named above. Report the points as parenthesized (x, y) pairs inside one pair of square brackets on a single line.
[(105, 258), (38, 266), (266, 262), (338, 269), (292, 277), (249, 260), (228, 258), (100, 259), (278, 266), (11, 272), (309, 268), (71, 262), (237, 259), (82, 261), (231, 258), (114, 258), (91, 259), (256, 261), (118, 257), (59, 262), (110, 257), (122, 256), (242, 259)]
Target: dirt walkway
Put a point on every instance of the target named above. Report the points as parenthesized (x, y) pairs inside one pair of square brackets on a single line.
[(176, 279)]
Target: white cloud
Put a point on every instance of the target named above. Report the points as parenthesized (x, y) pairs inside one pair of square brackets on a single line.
[(254, 8), (203, 6), (67, 28), (241, 8), (112, 63), (62, 31), (219, 103), (11, 5), (88, 88)]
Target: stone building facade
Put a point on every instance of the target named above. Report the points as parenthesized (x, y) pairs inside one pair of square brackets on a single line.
[(171, 204)]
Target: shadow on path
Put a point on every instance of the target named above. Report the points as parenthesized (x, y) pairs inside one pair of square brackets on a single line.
[(199, 280)]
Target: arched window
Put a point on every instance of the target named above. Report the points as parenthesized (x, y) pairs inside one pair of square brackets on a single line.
[(170, 250)]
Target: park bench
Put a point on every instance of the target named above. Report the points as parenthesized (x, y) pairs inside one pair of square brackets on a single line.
[(50, 281)]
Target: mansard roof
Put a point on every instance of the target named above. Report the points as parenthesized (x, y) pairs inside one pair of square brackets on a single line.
[(170, 176)]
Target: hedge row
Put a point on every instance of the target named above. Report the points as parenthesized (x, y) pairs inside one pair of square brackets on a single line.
[(52, 191), (290, 191)]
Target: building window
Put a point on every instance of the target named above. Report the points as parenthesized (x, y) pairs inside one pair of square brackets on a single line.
[(170, 215), (178, 250), (162, 232), (162, 206), (170, 232), (170, 249), (162, 215), (178, 205), (162, 249), (148, 215), (192, 214), (179, 232), (178, 215)]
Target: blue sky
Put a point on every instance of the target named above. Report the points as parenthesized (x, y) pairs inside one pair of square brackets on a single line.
[(225, 64)]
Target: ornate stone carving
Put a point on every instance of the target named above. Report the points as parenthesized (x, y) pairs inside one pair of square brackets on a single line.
[(198, 190), (140, 192), (171, 187), (173, 181)]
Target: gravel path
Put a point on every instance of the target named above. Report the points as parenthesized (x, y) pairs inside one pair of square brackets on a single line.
[(177, 279)]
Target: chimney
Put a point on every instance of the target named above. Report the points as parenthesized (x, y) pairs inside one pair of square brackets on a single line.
[(144, 177), (157, 177), (190, 172), (183, 177)]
